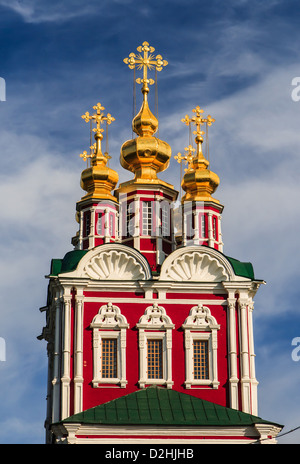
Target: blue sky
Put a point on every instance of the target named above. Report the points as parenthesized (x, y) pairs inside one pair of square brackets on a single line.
[(236, 59)]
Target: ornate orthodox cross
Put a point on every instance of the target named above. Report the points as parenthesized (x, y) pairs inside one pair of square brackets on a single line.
[(98, 118), (198, 121), (145, 62)]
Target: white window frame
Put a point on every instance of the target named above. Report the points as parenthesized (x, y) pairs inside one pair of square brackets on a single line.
[(155, 324), (147, 218), (130, 214), (109, 323), (165, 218), (201, 325)]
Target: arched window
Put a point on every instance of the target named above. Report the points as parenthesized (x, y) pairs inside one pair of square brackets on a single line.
[(109, 346), (155, 346), (200, 333)]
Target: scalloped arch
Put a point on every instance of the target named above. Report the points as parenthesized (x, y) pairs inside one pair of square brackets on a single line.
[(114, 262), (195, 264)]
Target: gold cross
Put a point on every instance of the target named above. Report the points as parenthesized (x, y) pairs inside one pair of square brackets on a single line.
[(146, 61), (185, 158), (198, 121), (98, 117), (85, 156)]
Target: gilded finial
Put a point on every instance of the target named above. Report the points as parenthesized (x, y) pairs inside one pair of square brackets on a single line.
[(98, 118), (145, 62), (98, 179), (186, 158), (198, 121), (199, 182)]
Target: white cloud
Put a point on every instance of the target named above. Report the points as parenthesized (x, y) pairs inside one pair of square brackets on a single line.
[(38, 11)]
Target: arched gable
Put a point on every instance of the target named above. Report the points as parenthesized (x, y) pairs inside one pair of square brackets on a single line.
[(112, 262), (197, 264)]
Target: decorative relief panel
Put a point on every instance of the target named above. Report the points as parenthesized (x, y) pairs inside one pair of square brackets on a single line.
[(195, 267), (114, 265)]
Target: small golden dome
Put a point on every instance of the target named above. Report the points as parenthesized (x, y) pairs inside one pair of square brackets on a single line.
[(99, 180), (199, 182)]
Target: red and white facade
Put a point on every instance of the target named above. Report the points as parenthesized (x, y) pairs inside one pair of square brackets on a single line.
[(140, 286), (147, 297)]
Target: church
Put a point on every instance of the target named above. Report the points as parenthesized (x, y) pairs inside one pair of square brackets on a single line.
[(149, 325)]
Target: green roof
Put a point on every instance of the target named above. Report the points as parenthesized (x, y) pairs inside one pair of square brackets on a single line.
[(68, 263), (241, 269), (161, 406), (72, 258)]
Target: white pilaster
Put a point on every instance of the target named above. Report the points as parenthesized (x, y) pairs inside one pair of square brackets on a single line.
[(244, 355), (232, 351), (210, 230), (56, 360), (92, 228), (78, 351), (254, 382), (137, 221), (66, 347)]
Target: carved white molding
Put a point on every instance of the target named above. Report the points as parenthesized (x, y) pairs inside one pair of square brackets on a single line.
[(155, 324), (196, 264), (114, 265), (200, 317), (109, 323), (155, 316), (109, 316), (201, 325), (112, 262)]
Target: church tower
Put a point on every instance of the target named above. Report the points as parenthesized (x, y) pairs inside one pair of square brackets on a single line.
[(149, 333)]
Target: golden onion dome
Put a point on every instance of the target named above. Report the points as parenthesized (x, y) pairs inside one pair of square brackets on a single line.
[(98, 180), (145, 155), (199, 182)]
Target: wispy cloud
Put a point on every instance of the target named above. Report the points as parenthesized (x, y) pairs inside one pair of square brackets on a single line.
[(35, 11)]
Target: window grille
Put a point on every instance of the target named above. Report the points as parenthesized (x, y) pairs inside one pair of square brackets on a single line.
[(154, 357), (109, 358), (200, 351)]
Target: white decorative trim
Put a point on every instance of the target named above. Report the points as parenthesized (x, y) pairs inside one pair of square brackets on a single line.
[(141, 434), (66, 354), (196, 264), (109, 323), (155, 324), (112, 261), (78, 351), (201, 325)]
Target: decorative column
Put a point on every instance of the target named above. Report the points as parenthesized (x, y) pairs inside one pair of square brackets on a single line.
[(106, 226), (80, 230), (254, 382), (78, 351), (220, 234), (56, 359), (66, 352), (158, 231), (245, 368), (92, 228), (196, 227), (232, 351), (210, 230), (136, 225)]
